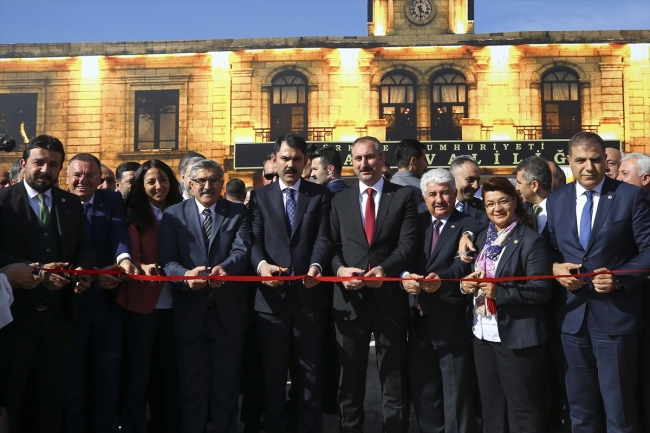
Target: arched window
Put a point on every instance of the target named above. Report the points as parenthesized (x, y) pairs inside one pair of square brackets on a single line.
[(397, 105), (561, 107), (289, 105), (448, 105)]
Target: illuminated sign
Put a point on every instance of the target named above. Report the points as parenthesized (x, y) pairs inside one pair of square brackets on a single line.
[(502, 154)]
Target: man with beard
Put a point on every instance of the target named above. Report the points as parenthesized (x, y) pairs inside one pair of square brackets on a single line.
[(124, 176), (291, 228), (207, 235), (467, 174), (39, 223)]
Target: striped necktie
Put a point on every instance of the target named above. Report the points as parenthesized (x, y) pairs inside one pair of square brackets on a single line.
[(207, 227)]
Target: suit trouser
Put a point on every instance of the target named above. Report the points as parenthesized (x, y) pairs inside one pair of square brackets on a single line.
[(142, 333), (442, 383), (39, 346), (511, 385), (601, 366), (98, 345), (209, 376), (353, 337), (292, 337)]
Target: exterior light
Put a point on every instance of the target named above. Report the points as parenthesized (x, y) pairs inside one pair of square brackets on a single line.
[(89, 66)]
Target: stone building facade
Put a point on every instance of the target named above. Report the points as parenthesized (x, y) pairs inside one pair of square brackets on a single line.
[(418, 74)]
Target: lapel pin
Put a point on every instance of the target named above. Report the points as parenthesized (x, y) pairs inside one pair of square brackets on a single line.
[(516, 241), (453, 227), (101, 205), (63, 200), (609, 197)]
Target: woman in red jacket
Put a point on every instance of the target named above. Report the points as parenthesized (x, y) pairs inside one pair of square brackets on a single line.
[(147, 309)]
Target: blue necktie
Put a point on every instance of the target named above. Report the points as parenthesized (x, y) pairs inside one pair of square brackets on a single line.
[(585, 220), (461, 207), (291, 209)]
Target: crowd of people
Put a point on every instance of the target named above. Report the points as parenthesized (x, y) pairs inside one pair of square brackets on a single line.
[(508, 305)]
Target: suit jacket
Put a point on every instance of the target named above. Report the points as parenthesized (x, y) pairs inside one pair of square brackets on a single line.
[(181, 248), (393, 247), (142, 298), (110, 236), (18, 241), (620, 239), (446, 309), (521, 317), (336, 185), (308, 243)]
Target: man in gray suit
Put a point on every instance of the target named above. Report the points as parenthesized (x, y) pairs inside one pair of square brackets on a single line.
[(207, 235)]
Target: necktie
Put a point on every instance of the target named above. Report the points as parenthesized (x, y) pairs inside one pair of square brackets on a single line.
[(585, 220), (87, 213), (291, 209), (537, 209), (369, 226), (207, 227), (461, 207), (44, 212), (435, 234)]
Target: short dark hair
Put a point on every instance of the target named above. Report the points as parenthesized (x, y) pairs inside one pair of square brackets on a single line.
[(183, 163), (124, 167), (558, 175), (311, 150), (14, 171), (46, 142), (459, 161), (536, 168), (407, 149), (86, 157), (503, 185), (374, 141), (292, 140), (267, 158), (329, 156), (236, 188), (586, 138)]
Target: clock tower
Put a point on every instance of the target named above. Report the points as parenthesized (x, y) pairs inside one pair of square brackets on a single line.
[(418, 17)]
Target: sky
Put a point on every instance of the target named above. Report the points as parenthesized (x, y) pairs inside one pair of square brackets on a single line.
[(47, 21)]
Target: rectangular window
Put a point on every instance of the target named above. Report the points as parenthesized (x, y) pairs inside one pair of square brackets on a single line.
[(18, 117), (156, 119)]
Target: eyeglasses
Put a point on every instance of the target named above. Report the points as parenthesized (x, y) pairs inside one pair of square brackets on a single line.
[(90, 177), (270, 176), (210, 180), (504, 202)]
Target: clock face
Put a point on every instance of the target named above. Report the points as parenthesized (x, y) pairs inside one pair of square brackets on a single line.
[(420, 11)]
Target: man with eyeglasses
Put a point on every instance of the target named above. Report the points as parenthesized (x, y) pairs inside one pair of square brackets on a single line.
[(207, 235), (269, 174), (98, 329)]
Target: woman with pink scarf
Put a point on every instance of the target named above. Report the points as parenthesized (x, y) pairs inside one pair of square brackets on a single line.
[(508, 317)]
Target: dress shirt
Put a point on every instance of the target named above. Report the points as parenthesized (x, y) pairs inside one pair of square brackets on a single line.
[(542, 216), (443, 221), (363, 197), (485, 327), (6, 299), (122, 256), (581, 200), (165, 298), (33, 199), (201, 208)]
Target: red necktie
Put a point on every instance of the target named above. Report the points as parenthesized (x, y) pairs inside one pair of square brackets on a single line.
[(369, 227)]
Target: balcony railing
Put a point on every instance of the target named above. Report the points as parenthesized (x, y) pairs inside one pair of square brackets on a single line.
[(486, 132), (319, 134), (536, 132), (262, 135), (361, 131)]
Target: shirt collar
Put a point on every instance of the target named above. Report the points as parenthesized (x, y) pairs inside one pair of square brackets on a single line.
[(379, 186), (283, 186), (443, 221), (580, 190), (202, 208), (92, 199), (157, 212), (542, 204), (33, 193)]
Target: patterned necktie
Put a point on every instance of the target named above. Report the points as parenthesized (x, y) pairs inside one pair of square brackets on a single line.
[(369, 226), (207, 227), (44, 212), (585, 220), (435, 235), (537, 209), (88, 214), (290, 209), (461, 207)]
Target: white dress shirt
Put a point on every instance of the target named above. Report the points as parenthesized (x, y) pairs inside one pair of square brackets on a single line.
[(201, 208), (35, 203), (581, 201), (363, 197), (443, 221), (542, 217), (485, 327), (165, 298)]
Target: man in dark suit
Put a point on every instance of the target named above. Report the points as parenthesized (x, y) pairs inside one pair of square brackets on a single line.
[(440, 344), (326, 166), (374, 233), (467, 174), (291, 229), (207, 235), (98, 331), (597, 224), (534, 180), (39, 223)]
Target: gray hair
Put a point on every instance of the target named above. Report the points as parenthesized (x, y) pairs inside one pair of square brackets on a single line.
[(536, 168), (642, 162), (205, 164), (190, 162), (439, 176), (14, 171), (459, 161), (374, 141)]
